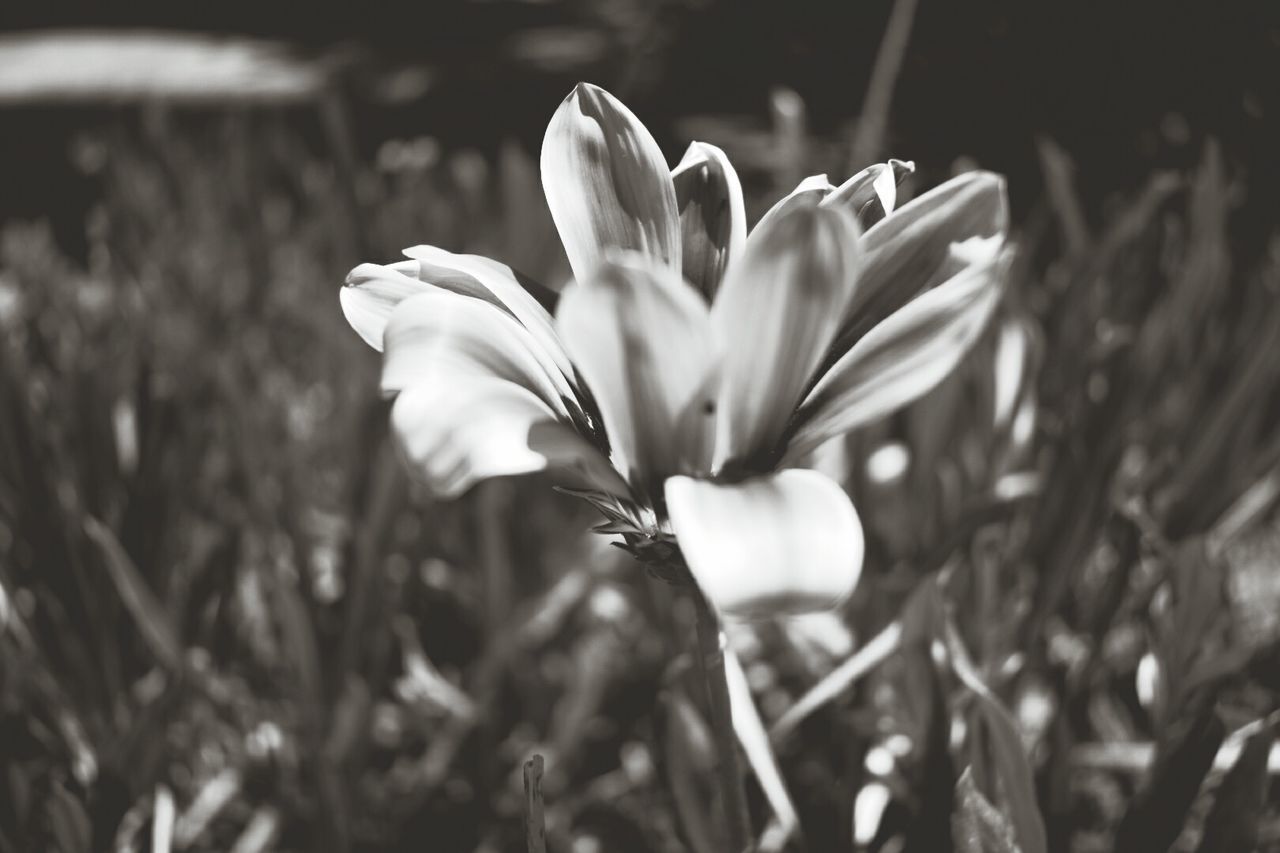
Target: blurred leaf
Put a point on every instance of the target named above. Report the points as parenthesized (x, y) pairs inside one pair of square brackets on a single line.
[(839, 680), (1059, 175), (977, 826), (928, 724), (1184, 754), (1010, 760), (1240, 803), (147, 611), (690, 755), (66, 822), (755, 742)]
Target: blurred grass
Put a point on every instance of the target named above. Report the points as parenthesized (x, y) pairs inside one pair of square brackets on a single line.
[(228, 622)]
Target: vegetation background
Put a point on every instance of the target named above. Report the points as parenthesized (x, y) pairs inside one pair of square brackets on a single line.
[(228, 622)]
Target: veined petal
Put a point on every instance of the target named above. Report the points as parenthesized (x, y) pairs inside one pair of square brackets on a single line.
[(872, 194), (777, 313), (788, 542), (808, 193), (499, 285), (457, 430), (907, 355), (372, 291), (438, 334), (643, 340), (909, 252), (713, 218), (607, 183)]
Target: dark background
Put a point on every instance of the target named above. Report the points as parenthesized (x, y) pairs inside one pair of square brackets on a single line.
[(1123, 87)]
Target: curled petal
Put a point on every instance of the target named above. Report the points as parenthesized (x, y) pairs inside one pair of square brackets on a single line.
[(713, 219), (644, 342), (905, 356), (499, 285), (372, 291), (778, 311), (458, 430), (784, 543), (910, 251), (439, 334), (872, 194), (808, 193), (607, 183)]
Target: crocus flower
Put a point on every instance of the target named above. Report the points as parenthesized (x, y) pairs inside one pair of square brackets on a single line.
[(689, 368)]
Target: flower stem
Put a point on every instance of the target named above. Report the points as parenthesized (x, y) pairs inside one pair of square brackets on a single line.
[(710, 660)]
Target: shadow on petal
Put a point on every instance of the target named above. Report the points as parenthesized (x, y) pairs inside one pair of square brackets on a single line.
[(456, 433), (644, 342), (434, 336), (607, 183), (905, 356), (910, 252), (777, 314), (713, 219)]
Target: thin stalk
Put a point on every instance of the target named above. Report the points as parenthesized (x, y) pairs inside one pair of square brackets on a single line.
[(710, 661), (535, 824)]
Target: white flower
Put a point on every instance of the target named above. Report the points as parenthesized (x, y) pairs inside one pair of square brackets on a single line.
[(690, 368)]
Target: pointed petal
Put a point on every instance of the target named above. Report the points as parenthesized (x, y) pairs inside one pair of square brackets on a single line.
[(438, 334), (457, 430), (808, 193), (644, 342), (372, 291), (713, 218), (607, 183), (905, 356), (871, 194), (499, 285), (909, 252), (778, 311), (788, 542)]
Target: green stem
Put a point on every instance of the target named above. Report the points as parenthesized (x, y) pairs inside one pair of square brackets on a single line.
[(710, 660)]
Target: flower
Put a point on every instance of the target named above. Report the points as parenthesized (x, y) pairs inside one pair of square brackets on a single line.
[(690, 368)]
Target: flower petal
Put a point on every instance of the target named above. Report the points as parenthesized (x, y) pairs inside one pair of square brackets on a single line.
[(438, 334), (808, 193), (905, 356), (459, 429), (777, 312), (607, 183), (872, 194), (372, 291), (713, 218), (908, 252), (499, 285), (788, 542), (644, 343)]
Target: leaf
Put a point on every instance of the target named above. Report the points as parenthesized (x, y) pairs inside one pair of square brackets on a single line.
[(840, 679), (1240, 804), (755, 743), (977, 826), (1184, 755), (151, 617), (914, 625), (1010, 761), (67, 822), (689, 754)]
